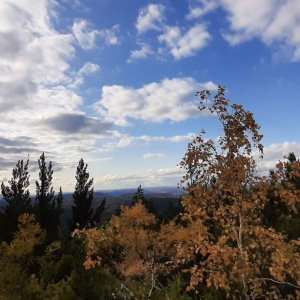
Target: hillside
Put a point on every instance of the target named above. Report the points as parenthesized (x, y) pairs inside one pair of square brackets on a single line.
[(160, 196)]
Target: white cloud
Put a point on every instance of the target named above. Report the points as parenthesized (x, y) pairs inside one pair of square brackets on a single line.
[(153, 155), (201, 8), (86, 36), (110, 35), (142, 53), (181, 138), (275, 152), (79, 6), (124, 140), (276, 23), (185, 44), (150, 17), (89, 68), (179, 43), (33, 54), (170, 99), (35, 89), (34, 17), (210, 86), (150, 178)]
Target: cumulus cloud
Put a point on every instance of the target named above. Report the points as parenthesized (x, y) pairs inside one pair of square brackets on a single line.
[(110, 35), (150, 178), (170, 99), (29, 46), (276, 23), (87, 69), (275, 152), (32, 74), (86, 36), (124, 140), (201, 8), (141, 53), (150, 17), (153, 155), (185, 44), (177, 41), (181, 138), (39, 102)]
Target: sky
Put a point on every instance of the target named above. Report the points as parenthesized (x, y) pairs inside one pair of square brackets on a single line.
[(114, 82)]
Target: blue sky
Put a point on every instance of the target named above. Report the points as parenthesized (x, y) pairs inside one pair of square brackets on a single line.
[(113, 82)]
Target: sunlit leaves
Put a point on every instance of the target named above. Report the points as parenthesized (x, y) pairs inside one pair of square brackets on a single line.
[(228, 196), (222, 245)]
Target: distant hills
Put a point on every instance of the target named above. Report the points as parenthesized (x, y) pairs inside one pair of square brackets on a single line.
[(170, 190), (160, 196), (148, 190)]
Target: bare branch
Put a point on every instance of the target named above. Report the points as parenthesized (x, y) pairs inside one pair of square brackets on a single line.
[(153, 284), (279, 282), (128, 290)]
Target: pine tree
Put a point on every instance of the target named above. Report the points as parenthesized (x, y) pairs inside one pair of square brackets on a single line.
[(48, 207), (17, 196), (82, 197), (291, 166), (96, 219), (139, 197), (278, 213)]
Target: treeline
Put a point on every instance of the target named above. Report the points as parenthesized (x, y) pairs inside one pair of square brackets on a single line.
[(47, 207), (234, 235), (38, 258)]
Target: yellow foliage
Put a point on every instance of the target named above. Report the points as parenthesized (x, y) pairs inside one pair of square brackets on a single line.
[(226, 194), (223, 242), (28, 236)]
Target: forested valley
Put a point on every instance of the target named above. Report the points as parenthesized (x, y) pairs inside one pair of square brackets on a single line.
[(234, 234)]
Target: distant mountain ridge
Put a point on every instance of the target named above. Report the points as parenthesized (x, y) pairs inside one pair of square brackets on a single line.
[(116, 197), (170, 190), (147, 190)]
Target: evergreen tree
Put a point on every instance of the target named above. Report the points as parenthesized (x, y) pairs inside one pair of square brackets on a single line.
[(173, 211), (139, 197), (277, 213), (96, 219), (291, 166), (17, 196), (48, 207), (82, 197)]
